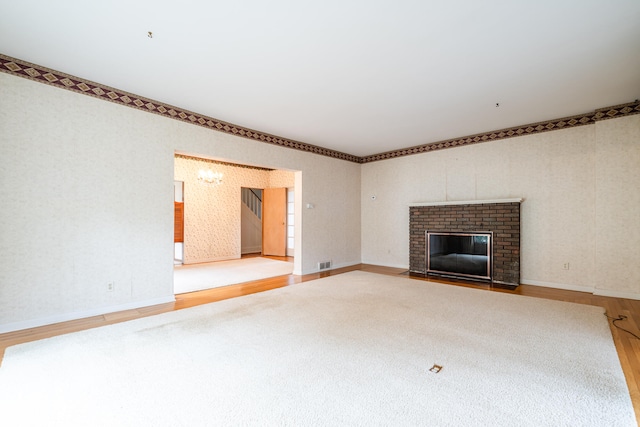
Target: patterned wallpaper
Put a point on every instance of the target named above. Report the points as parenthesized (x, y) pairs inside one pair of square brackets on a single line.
[(281, 178), (212, 228)]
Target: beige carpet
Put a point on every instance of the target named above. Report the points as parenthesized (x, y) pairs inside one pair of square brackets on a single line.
[(196, 277), (350, 349)]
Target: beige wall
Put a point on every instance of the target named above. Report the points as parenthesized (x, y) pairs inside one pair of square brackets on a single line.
[(212, 226), (617, 207), (87, 190), (87, 200), (580, 201)]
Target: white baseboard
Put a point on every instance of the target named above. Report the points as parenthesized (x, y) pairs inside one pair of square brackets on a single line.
[(65, 317), (616, 294)]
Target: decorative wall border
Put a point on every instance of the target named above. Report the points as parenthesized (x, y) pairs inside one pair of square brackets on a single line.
[(218, 162), (45, 75), (534, 128), (58, 79)]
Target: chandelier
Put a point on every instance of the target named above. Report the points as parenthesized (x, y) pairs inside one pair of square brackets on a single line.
[(208, 177)]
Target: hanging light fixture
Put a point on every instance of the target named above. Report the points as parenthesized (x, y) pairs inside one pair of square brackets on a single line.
[(208, 177)]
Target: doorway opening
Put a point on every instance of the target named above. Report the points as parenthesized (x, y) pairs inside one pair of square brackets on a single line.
[(251, 220), (213, 219)]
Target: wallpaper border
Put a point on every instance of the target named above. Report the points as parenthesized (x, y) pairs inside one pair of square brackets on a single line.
[(62, 80), (58, 79), (218, 162), (528, 129)]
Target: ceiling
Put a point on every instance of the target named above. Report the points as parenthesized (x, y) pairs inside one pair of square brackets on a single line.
[(359, 77)]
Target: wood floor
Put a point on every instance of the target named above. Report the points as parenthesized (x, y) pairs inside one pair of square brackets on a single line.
[(628, 347)]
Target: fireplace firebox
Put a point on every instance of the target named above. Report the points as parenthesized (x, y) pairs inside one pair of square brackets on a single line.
[(460, 254)]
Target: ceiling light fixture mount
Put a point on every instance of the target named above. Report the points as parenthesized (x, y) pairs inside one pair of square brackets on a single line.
[(149, 34)]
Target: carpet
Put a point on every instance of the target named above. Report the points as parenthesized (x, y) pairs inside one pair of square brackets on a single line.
[(196, 277), (349, 349)]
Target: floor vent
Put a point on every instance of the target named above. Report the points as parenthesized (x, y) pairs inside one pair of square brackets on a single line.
[(324, 265)]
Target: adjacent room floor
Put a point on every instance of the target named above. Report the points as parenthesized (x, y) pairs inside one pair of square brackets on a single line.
[(197, 277)]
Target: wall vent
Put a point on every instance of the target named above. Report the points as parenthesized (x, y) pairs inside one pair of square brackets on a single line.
[(324, 265)]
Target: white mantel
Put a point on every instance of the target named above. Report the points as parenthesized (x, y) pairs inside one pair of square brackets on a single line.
[(467, 202)]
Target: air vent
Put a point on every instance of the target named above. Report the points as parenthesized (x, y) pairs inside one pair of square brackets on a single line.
[(324, 265)]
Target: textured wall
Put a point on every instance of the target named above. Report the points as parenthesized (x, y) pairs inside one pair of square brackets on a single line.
[(281, 179), (618, 206), (87, 190), (85, 202), (580, 204)]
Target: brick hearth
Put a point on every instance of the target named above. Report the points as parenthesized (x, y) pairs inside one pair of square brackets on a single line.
[(503, 219)]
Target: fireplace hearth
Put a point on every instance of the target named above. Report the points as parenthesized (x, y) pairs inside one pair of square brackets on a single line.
[(499, 218)]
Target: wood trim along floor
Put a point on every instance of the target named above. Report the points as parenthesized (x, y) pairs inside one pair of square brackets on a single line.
[(628, 347)]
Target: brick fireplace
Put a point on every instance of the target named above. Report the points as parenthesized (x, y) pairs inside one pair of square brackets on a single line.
[(500, 217)]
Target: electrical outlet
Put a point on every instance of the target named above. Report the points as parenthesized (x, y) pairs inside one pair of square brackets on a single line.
[(565, 266), (110, 287)]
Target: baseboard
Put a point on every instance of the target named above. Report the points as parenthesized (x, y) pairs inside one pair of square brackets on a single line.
[(333, 267), (251, 250), (403, 266), (65, 317), (617, 294), (205, 260), (591, 290), (567, 287)]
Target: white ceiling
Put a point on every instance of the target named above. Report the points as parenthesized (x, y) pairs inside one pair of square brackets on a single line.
[(358, 76)]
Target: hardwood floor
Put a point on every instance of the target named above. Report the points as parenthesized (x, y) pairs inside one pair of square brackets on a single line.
[(628, 347)]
